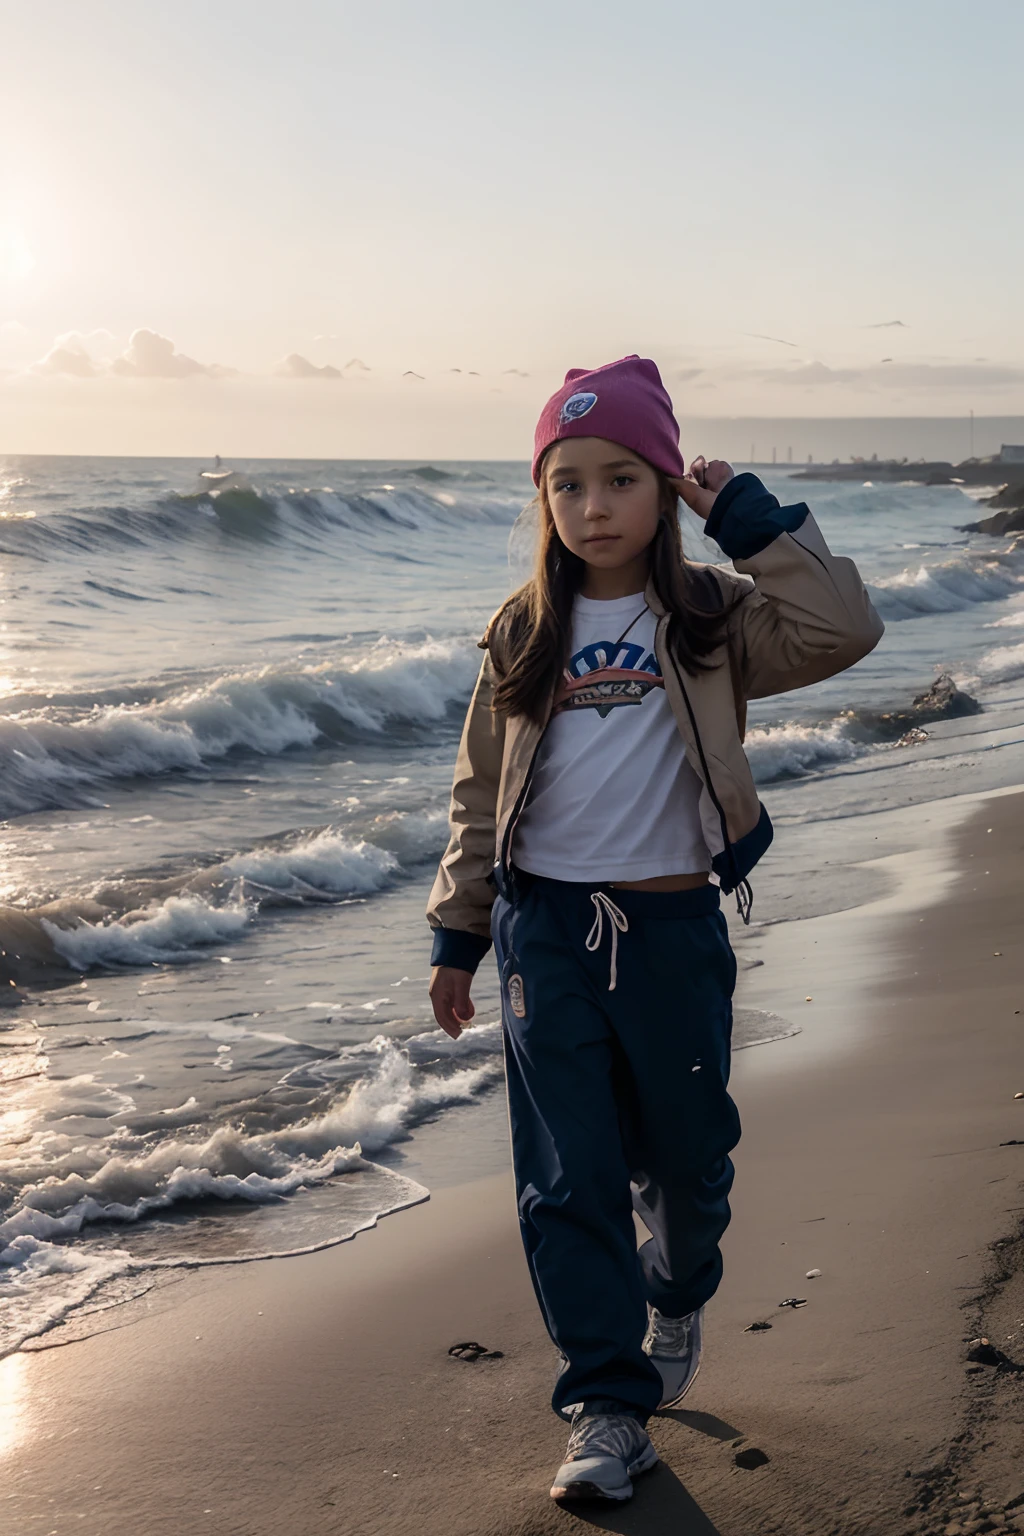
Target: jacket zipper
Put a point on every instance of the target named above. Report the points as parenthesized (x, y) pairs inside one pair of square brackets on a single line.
[(744, 895), (517, 811)]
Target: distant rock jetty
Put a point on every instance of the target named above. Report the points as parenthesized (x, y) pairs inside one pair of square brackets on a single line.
[(997, 471), (1005, 470)]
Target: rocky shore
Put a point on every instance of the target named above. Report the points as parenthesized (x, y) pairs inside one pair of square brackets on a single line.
[(1010, 515)]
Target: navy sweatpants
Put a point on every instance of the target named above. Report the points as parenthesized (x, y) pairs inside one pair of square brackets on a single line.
[(606, 1087)]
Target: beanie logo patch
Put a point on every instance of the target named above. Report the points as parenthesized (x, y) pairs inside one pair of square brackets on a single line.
[(577, 406)]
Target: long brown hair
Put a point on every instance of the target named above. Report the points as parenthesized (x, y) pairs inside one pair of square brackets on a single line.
[(536, 620)]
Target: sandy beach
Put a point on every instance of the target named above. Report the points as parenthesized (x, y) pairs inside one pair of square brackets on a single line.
[(882, 1145)]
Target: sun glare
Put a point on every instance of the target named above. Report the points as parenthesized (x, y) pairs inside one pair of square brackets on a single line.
[(16, 260), (13, 1402)]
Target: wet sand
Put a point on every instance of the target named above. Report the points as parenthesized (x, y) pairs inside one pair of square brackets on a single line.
[(315, 1395)]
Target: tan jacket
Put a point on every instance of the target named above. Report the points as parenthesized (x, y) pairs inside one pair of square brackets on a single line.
[(805, 616)]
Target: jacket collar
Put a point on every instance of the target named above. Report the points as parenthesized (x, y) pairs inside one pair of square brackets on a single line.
[(653, 601)]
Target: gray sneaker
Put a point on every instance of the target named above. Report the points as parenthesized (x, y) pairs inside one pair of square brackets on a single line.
[(674, 1345), (606, 1451)]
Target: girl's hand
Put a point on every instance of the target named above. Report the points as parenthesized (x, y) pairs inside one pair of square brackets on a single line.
[(702, 483), (449, 997)]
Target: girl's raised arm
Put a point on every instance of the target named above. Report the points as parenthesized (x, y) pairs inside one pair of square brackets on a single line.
[(808, 614)]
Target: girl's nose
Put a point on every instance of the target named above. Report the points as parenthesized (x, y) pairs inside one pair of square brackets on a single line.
[(595, 506)]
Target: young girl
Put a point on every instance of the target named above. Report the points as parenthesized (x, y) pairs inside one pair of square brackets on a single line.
[(602, 802)]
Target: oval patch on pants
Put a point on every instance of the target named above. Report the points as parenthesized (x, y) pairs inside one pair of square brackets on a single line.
[(516, 996)]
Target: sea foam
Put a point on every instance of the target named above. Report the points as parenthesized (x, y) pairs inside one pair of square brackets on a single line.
[(1003, 664), (49, 1267)]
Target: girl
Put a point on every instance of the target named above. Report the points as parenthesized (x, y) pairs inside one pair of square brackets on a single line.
[(602, 802)]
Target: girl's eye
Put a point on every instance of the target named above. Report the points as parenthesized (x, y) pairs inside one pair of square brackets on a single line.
[(567, 485), (623, 480)]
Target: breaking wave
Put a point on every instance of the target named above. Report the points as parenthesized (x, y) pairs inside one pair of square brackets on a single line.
[(791, 751), (216, 905), (177, 930), (284, 512), (50, 758), (954, 585)]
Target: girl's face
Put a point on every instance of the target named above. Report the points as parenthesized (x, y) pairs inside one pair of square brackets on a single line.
[(605, 501)]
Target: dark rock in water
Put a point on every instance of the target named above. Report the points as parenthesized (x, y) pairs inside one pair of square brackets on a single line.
[(1010, 495), (1010, 519), (998, 524), (942, 701)]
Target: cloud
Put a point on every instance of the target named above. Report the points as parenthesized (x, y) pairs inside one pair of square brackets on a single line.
[(74, 353), (926, 376), (151, 356), (67, 356), (295, 366), (812, 373)]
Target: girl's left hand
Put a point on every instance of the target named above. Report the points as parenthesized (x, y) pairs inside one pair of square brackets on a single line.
[(701, 484)]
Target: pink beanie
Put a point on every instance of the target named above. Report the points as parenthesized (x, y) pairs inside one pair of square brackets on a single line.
[(624, 402)]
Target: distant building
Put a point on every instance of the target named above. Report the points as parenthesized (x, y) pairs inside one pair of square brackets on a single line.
[(1011, 453)]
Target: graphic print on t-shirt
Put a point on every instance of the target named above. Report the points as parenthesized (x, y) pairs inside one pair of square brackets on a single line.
[(606, 674)]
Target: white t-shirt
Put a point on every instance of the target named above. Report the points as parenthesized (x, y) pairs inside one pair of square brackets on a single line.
[(613, 796)]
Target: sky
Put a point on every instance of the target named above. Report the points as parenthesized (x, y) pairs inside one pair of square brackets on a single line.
[(326, 229)]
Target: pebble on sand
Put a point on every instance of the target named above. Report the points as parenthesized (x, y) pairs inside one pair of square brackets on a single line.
[(813, 1274)]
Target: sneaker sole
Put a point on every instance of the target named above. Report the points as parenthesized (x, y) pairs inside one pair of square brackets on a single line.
[(588, 1493), (673, 1402)]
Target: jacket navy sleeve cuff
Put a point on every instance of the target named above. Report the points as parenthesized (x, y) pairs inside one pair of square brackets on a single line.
[(746, 517), (457, 948)]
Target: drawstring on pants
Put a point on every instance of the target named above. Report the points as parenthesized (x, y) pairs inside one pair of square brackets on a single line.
[(618, 924)]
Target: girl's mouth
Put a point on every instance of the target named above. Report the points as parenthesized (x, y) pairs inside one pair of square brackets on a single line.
[(602, 538)]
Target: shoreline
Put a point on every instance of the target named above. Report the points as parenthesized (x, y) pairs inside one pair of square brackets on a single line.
[(315, 1394)]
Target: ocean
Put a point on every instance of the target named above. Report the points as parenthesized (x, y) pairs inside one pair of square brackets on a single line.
[(227, 729)]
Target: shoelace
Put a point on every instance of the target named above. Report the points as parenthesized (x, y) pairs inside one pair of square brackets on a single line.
[(618, 924), (673, 1333), (604, 1434)]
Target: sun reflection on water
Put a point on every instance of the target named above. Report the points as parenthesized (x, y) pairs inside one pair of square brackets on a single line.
[(13, 1402)]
